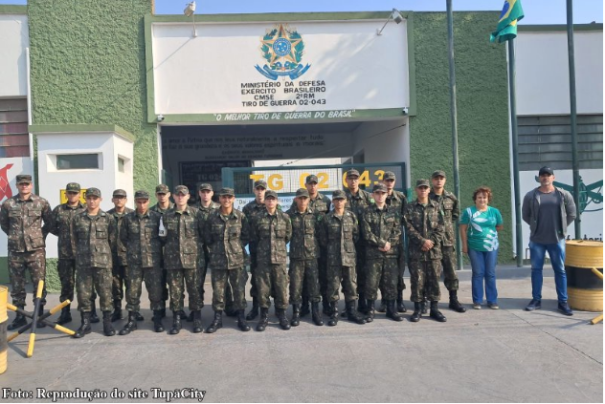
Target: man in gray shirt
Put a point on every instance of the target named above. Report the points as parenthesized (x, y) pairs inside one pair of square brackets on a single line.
[(548, 210)]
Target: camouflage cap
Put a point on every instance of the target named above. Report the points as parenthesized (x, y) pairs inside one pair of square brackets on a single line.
[(181, 189), (422, 183), (226, 192), (93, 192), (352, 173), (271, 194), (380, 188), (260, 183), (302, 192), (119, 192), (162, 189), (141, 195), (205, 186), (388, 175), (73, 187), (311, 178), (24, 179), (438, 173), (339, 194)]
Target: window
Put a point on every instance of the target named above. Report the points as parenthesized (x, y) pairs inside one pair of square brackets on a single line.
[(121, 165), (14, 136), (77, 161)]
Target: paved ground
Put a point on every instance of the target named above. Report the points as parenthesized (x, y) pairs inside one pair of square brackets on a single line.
[(480, 356)]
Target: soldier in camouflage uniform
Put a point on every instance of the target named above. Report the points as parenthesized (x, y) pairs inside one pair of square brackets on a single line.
[(251, 210), (339, 231), (357, 201), (21, 219), (119, 199), (397, 200), (271, 230), (182, 258), (448, 204), (94, 240), (139, 232), (424, 225), (381, 232), (162, 195), (304, 250), (226, 233)]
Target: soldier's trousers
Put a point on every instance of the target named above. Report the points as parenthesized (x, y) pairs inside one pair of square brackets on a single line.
[(360, 266), (67, 276), (18, 263), (253, 265), (134, 287), (303, 275), (450, 278), (322, 264), (87, 280), (203, 271), (345, 276), (225, 279), (401, 261), (424, 277), (272, 277), (119, 281), (383, 273), (177, 279)]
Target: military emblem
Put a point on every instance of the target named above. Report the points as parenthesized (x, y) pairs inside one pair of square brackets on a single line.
[(5, 187), (283, 50)]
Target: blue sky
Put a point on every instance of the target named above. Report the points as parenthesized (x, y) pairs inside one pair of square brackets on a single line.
[(536, 11)]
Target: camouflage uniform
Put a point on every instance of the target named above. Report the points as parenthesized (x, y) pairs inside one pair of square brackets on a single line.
[(120, 261), (204, 213), (140, 235), (165, 296), (304, 251), (226, 238), (398, 201), (182, 256), (448, 205), (251, 210), (22, 220), (421, 223), (94, 242), (271, 233), (379, 226)]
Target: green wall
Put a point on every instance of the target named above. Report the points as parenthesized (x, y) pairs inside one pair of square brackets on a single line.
[(482, 99)]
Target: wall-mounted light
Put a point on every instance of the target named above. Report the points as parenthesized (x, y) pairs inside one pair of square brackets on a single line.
[(190, 12), (395, 16)]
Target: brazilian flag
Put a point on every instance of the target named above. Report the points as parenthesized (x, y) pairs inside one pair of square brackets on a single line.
[(512, 12)]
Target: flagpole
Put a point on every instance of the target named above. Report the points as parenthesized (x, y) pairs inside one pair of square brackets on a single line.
[(454, 118)]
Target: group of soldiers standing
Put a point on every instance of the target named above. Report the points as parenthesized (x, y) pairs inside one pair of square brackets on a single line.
[(353, 242)]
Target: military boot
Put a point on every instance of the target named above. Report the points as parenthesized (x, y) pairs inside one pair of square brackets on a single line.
[(454, 303), (304, 310), (139, 317), (107, 327), (361, 304), (392, 311), (283, 320), (417, 312), (94, 318), (295, 315), (40, 323), (176, 322), (162, 311), (85, 327), (383, 306), (436, 314), (241, 320), (370, 311), (157, 320), (316, 314), (327, 307), (263, 320), (400, 306), (117, 311), (65, 316), (424, 306), (130, 325), (333, 314), (197, 321), (354, 315), (253, 311), (19, 321)]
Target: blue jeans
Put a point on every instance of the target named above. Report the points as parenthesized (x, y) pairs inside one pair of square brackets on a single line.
[(483, 264), (557, 259)]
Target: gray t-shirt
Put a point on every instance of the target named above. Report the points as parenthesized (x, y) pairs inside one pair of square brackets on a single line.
[(548, 229)]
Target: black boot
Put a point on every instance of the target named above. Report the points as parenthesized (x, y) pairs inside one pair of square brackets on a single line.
[(65, 316), (176, 322), (107, 327), (254, 311), (354, 315), (117, 311), (19, 320), (157, 320), (436, 314), (94, 318), (424, 306), (197, 321), (41, 324), (417, 310), (304, 310), (85, 327), (241, 321), (370, 312), (392, 311), (295, 315), (283, 320), (400, 306), (454, 303), (316, 314), (327, 307), (383, 306), (130, 325), (263, 320), (333, 314), (361, 304), (139, 317)]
